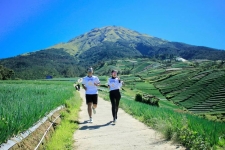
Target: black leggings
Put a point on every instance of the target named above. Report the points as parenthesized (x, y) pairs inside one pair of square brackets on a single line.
[(114, 96)]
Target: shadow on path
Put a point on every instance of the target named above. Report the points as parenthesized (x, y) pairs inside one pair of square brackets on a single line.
[(94, 126), (85, 122), (78, 122)]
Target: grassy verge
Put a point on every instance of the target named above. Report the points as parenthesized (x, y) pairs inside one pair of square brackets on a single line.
[(63, 137), (192, 131)]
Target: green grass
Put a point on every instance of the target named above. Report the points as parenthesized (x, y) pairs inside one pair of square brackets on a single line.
[(63, 135), (195, 90), (103, 79), (140, 67), (24, 102), (192, 131), (168, 104), (64, 79), (180, 65), (149, 89)]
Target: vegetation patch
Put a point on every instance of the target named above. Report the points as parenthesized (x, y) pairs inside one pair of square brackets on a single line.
[(148, 99), (192, 131), (63, 135), (23, 103)]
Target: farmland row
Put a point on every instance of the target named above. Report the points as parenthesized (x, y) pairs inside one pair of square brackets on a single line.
[(197, 91), (24, 103)]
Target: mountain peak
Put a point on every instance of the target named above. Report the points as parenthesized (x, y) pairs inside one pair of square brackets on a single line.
[(97, 36), (111, 33), (122, 41)]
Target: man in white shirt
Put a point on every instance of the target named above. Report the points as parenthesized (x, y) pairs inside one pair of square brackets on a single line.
[(90, 84)]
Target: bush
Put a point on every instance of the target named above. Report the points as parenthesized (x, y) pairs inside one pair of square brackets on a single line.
[(138, 97), (148, 99)]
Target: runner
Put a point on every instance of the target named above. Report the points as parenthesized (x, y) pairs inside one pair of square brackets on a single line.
[(114, 84), (90, 84)]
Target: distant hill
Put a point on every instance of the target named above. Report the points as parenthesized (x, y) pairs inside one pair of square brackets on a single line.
[(38, 65), (101, 44)]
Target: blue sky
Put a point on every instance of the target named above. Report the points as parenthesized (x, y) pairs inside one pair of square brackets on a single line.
[(30, 25)]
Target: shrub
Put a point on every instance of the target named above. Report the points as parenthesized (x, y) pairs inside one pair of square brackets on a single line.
[(138, 97), (148, 99)]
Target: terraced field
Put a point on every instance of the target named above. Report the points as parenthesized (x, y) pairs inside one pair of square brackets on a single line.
[(196, 90), (199, 92), (134, 66)]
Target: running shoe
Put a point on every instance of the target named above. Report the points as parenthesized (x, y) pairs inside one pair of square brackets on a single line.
[(91, 120), (114, 121)]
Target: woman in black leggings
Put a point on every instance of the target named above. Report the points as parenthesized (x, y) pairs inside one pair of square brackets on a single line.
[(114, 84)]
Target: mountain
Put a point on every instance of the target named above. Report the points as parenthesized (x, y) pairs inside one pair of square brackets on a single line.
[(100, 44), (121, 42)]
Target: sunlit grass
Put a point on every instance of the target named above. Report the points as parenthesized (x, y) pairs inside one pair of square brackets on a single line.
[(63, 135), (190, 130), (23, 103)]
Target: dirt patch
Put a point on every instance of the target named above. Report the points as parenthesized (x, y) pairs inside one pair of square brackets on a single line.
[(31, 141)]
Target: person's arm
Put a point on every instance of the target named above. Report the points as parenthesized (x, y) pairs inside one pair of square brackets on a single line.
[(108, 84), (119, 79), (120, 82), (84, 87), (98, 82), (83, 84)]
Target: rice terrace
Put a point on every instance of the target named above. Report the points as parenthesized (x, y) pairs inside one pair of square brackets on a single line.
[(183, 101)]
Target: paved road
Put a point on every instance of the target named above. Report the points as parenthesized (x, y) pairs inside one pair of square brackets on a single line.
[(127, 134)]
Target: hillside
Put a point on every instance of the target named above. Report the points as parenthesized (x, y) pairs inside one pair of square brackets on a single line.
[(99, 45), (37, 65), (122, 42), (197, 88), (5, 73)]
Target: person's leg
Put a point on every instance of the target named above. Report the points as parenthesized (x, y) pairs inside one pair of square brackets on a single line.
[(89, 109), (118, 96), (112, 99), (95, 102), (89, 105)]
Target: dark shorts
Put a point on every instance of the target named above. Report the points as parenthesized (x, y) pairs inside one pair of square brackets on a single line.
[(92, 98)]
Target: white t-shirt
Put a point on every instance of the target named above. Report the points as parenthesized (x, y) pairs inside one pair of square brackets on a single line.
[(114, 84), (89, 84)]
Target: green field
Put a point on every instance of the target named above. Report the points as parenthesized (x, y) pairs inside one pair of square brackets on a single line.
[(199, 92), (198, 89), (24, 102), (190, 130), (187, 97)]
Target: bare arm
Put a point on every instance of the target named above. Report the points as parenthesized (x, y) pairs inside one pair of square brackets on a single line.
[(84, 87), (97, 84)]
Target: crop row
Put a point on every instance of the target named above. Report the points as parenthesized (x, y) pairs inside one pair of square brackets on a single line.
[(24, 103), (196, 90)]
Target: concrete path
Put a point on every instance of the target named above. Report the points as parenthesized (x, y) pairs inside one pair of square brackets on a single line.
[(127, 134)]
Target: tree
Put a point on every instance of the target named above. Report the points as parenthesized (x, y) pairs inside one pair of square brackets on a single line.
[(5, 73)]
